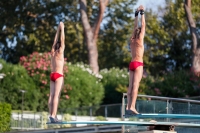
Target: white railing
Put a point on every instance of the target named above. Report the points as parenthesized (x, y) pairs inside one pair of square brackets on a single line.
[(35, 121), (169, 101)]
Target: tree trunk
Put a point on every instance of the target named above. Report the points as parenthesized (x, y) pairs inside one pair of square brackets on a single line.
[(195, 43), (91, 33)]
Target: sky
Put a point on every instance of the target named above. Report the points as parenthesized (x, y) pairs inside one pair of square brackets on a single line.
[(153, 4)]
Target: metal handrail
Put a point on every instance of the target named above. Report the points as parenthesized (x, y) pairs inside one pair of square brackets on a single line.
[(165, 98)]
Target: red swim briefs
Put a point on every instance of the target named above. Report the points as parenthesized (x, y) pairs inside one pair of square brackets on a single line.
[(134, 64), (55, 76)]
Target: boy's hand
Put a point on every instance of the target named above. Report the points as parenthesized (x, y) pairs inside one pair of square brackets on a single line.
[(62, 25), (141, 7)]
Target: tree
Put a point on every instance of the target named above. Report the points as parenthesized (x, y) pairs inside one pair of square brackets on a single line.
[(115, 33), (91, 33), (32, 27), (195, 39), (156, 45), (167, 39), (179, 56), (34, 23)]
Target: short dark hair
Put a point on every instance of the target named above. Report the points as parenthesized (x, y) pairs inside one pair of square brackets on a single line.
[(57, 45), (137, 32)]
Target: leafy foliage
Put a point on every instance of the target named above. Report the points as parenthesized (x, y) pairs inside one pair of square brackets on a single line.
[(115, 31), (38, 67), (113, 80), (168, 39), (79, 85), (122, 86), (175, 24), (5, 113), (167, 47), (155, 42), (177, 84), (33, 25), (34, 22), (17, 79), (87, 88), (100, 118)]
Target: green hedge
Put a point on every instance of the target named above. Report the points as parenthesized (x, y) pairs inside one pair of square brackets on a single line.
[(116, 81), (80, 85), (177, 84), (5, 115), (82, 88), (16, 79), (113, 81)]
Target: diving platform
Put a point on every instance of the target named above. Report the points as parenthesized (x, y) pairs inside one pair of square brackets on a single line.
[(177, 116)]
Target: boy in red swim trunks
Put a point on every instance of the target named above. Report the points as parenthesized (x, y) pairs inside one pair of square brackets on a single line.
[(136, 64), (56, 77)]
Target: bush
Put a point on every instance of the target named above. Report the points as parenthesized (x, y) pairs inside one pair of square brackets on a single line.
[(5, 115), (87, 89), (79, 89), (100, 118), (115, 81), (177, 84), (17, 79), (38, 67)]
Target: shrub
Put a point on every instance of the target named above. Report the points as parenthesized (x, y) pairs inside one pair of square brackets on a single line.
[(87, 88), (115, 81), (100, 118), (144, 86), (38, 67), (5, 115), (176, 84), (16, 79), (79, 89)]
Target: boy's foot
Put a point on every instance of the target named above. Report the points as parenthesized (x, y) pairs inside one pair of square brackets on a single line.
[(131, 112), (127, 112), (58, 120), (53, 120)]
